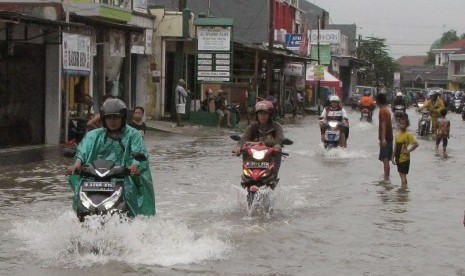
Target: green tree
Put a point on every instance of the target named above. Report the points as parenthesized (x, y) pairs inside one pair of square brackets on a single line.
[(449, 37), (374, 51)]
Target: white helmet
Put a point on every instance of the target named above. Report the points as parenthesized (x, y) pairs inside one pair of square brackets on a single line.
[(334, 98), (399, 94)]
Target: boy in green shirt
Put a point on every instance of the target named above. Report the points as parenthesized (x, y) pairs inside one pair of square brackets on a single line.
[(401, 154)]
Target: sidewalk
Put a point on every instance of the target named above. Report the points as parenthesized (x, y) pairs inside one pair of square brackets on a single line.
[(188, 130)]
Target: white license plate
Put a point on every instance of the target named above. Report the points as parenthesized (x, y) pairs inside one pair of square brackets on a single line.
[(98, 186), (257, 165)]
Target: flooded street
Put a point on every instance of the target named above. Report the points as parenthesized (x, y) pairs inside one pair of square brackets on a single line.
[(331, 213)]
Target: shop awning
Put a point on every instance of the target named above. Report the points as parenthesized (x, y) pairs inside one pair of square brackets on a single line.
[(328, 80)]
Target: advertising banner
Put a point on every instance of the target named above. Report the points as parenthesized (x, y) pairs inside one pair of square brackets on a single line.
[(293, 41), (325, 54), (326, 36)]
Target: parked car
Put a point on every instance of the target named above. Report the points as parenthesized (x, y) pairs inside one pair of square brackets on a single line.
[(357, 93)]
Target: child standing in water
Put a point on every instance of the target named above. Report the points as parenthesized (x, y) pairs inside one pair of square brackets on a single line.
[(442, 133), (401, 154)]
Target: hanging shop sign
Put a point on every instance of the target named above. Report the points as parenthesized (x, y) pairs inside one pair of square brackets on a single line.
[(214, 38), (76, 53), (214, 66), (319, 72), (293, 69)]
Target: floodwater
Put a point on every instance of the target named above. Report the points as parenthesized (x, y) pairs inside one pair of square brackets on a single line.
[(331, 214)]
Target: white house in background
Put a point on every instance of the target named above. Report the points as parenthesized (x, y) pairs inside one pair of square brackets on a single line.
[(442, 54), (456, 70)]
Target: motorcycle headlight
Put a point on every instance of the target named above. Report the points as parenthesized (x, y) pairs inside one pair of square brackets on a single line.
[(246, 172), (333, 124), (259, 154), (85, 200), (110, 202)]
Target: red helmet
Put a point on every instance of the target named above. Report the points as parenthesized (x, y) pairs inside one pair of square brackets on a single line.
[(264, 106)]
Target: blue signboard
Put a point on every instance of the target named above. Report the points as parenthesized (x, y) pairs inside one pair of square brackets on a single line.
[(293, 41)]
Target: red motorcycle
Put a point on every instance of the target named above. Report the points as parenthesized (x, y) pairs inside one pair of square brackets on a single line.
[(258, 165)]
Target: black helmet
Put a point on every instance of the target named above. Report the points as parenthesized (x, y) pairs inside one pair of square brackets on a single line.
[(113, 107)]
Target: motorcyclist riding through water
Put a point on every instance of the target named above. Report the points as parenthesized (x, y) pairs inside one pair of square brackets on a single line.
[(337, 113), (366, 101), (399, 100), (265, 130), (117, 142), (434, 105)]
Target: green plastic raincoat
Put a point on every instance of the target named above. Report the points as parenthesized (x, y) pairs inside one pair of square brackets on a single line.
[(138, 191)]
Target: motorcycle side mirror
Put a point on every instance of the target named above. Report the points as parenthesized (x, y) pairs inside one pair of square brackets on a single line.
[(235, 137), (287, 142), (139, 157)]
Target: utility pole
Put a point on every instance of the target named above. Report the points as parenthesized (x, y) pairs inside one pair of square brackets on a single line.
[(269, 62), (66, 79), (318, 53)]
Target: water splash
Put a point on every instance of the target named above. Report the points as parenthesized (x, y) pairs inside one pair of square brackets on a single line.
[(343, 153), (60, 240)]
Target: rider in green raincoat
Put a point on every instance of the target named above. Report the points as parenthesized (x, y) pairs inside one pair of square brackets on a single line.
[(116, 141)]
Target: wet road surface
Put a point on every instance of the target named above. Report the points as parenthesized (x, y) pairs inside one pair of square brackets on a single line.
[(331, 214)]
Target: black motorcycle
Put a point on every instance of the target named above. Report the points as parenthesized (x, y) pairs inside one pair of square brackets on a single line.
[(101, 190), (424, 124)]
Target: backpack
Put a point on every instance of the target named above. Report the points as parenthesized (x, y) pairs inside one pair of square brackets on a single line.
[(443, 126)]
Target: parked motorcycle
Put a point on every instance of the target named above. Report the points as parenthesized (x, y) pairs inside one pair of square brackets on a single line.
[(424, 124), (101, 190), (234, 109), (258, 167)]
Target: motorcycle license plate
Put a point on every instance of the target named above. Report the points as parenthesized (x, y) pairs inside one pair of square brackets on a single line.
[(257, 165), (98, 186)]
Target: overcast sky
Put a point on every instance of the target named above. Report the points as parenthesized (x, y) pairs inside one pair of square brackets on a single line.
[(409, 26)]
